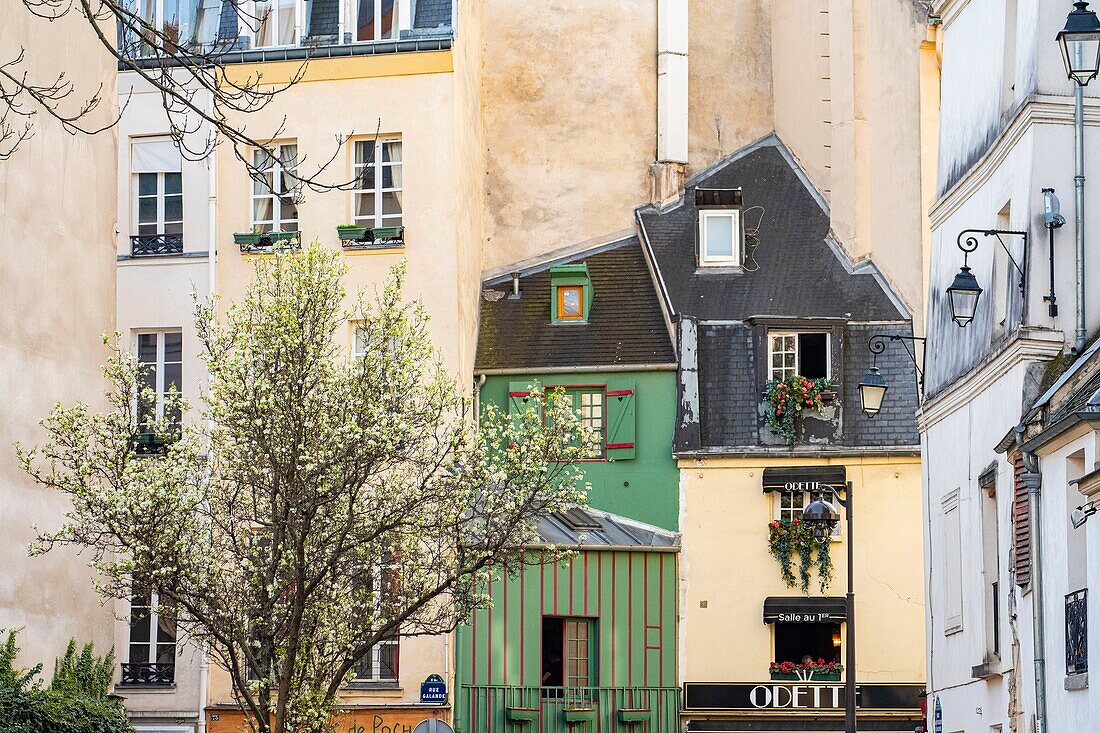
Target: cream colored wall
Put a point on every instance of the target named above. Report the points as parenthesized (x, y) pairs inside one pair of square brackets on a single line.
[(436, 115), (57, 291), (569, 108), (421, 109), (847, 103), (730, 94), (725, 562)]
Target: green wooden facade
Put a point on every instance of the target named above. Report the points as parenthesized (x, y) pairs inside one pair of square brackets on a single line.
[(630, 599), (641, 482)]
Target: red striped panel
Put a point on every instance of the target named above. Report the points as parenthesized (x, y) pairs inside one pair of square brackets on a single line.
[(519, 394), (613, 446), (619, 392)]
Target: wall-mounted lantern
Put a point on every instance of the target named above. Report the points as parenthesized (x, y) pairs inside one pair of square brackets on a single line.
[(1052, 219), (1080, 44), (872, 388), (964, 291)]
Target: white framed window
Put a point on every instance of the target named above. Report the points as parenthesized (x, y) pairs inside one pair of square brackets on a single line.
[(184, 25), (152, 638), (376, 20), (720, 237), (804, 354), (158, 203), (274, 188), (274, 23), (377, 198), (381, 663), (160, 353)]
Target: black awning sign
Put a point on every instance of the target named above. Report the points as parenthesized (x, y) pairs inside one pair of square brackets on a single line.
[(804, 478), (786, 696), (804, 610)]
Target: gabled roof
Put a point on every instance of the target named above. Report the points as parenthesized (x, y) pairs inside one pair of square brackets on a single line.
[(625, 325), (799, 270), (602, 529)]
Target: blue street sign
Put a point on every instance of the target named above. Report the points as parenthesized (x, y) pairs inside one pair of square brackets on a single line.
[(433, 690), (939, 716)]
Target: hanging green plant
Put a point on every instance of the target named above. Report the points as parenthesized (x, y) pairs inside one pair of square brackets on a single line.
[(787, 537), (785, 399)]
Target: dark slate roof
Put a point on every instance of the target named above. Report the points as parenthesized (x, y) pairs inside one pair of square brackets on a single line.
[(625, 326), (432, 14), (1085, 398), (799, 274), (607, 530)]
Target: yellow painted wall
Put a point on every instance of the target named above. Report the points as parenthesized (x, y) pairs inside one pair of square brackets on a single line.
[(725, 562), (57, 294)]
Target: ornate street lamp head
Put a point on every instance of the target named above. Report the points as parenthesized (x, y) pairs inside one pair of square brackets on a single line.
[(963, 297), (1080, 44), (821, 517), (872, 388)]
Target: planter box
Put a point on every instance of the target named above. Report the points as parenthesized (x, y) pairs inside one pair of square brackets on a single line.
[(282, 236), (633, 716), (579, 715), (815, 677), (352, 234), (248, 239), (390, 234), (523, 715)]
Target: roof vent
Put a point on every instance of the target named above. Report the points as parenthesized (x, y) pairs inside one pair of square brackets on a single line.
[(723, 198), (578, 519)]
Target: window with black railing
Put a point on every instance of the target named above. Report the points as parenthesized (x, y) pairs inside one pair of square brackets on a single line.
[(151, 653), (1077, 648)]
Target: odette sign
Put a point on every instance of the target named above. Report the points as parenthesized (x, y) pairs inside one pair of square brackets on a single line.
[(809, 695), (814, 697)]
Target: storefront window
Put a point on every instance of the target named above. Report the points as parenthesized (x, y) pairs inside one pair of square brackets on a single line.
[(801, 642)]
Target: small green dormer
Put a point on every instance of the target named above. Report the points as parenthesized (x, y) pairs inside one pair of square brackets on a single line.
[(570, 293)]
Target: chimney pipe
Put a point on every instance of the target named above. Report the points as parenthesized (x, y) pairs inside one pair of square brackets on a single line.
[(515, 287)]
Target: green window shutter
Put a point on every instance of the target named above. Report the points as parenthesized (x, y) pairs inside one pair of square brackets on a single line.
[(519, 398), (620, 418)]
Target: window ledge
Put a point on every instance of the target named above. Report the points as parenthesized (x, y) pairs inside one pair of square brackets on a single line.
[(702, 269), (360, 685), (134, 687), (1077, 681)]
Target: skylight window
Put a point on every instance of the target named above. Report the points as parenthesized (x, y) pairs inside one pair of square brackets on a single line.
[(721, 241)]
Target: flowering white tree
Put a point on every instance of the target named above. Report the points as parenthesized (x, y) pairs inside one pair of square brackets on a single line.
[(264, 526)]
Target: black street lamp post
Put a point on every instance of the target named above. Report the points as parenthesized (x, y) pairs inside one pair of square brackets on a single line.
[(821, 517)]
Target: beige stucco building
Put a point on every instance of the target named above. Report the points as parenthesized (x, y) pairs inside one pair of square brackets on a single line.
[(57, 291)]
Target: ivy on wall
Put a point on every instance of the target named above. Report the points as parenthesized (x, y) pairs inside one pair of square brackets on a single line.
[(788, 538)]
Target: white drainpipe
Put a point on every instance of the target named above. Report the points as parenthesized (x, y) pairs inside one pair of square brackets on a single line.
[(672, 81)]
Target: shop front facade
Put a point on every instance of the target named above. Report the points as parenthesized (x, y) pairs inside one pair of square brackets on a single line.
[(774, 329)]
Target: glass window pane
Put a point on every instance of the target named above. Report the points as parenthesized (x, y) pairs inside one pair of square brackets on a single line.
[(719, 234), (364, 152), (389, 16), (261, 159), (147, 349), (262, 209), (173, 208), (366, 178), (391, 203), (262, 183), (286, 22), (288, 212), (147, 184), (139, 653), (364, 205), (365, 26), (288, 156), (173, 375), (173, 346), (391, 151), (147, 210), (173, 183), (571, 301)]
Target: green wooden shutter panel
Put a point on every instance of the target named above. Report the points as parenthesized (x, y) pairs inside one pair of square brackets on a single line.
[(519, 398), (620, 418)]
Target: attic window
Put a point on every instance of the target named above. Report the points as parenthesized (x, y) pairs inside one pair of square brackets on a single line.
[(720, 236), (571, 293)]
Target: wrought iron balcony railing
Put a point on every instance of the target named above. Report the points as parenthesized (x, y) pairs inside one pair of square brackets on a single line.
[(148, 673), (145, 245), (1077, 632), (563, 709)]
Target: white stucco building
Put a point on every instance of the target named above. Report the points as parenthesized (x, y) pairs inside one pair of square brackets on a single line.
[(1006, 112)]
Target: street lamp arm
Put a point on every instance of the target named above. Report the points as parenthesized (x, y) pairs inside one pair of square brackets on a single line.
[(971, 243), (877, 344)]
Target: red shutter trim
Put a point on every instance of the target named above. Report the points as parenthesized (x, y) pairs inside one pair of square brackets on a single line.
[(619, 392), (519, 394), (1021, 523), (614, 446)]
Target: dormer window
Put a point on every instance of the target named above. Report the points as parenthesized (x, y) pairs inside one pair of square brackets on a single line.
[(571, 293), (804, 354), (721, 239)]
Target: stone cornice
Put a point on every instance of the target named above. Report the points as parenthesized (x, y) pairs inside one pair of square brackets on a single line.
[(948, 10), (1030, 345), (1039, 109)]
